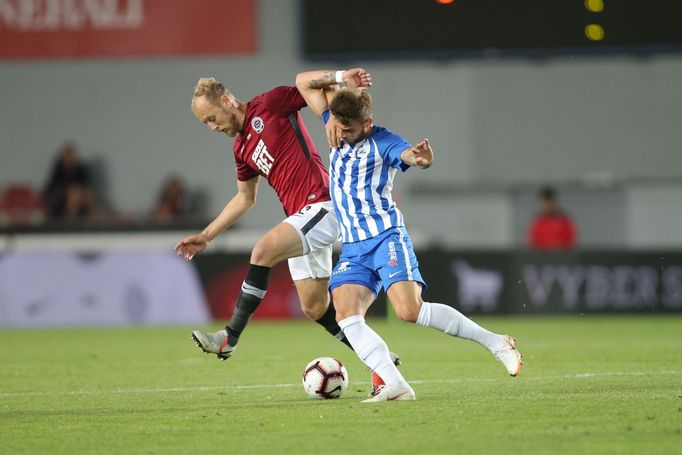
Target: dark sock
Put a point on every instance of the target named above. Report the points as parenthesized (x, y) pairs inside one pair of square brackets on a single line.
[(253, 291), (258, 276), (328, 321)]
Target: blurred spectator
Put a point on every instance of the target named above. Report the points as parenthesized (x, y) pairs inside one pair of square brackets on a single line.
[(551, 228), (68, 194), (173, 202)]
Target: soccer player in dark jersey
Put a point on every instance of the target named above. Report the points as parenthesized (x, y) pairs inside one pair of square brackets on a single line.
[(272, 142)]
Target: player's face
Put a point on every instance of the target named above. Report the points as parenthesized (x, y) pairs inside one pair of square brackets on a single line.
[(219, 117), (355, 131)]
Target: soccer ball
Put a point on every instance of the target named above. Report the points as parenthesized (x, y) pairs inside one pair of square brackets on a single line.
[(325, 377)]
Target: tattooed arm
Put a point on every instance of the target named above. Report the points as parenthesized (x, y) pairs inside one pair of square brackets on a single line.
[(321, 80), (312, 85), (418, 155), (318, 87)]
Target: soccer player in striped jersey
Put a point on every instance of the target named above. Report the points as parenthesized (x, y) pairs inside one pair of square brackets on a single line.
[(377, 249)]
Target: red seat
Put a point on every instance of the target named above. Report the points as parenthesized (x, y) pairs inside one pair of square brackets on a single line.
[(20, 204)]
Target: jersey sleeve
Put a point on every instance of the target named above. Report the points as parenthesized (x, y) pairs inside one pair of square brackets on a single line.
[(394, 146), (244, 171), (284, 100)]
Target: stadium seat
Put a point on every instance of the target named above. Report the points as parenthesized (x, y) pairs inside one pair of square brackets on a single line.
[(20, 204)]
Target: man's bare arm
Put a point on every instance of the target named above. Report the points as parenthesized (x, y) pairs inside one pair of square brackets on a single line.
[(313, 85), (418, 155), (319, 87), (241, 203), (235, 209), (325, 80)]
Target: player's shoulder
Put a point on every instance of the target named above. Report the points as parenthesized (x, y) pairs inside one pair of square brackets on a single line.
[(275, 102), (274, 95), (384, 136), (261, 99)]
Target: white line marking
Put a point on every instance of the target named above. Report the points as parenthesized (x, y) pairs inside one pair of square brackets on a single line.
[(281, 386)]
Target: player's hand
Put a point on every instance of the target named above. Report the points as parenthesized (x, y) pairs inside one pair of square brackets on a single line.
[(357, 78), (191, 245), (332, 131), (423, 154)]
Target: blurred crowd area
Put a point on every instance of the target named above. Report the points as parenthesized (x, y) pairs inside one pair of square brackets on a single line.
[(74, 195), (507, 114)]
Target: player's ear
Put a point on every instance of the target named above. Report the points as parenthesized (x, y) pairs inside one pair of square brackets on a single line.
[(225, 100)]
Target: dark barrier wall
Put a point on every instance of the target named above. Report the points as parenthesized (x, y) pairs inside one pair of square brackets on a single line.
[(508, 282), (578, 282), (222, 274)]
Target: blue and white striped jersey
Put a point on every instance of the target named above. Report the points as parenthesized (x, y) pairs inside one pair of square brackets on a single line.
[(361, 179)]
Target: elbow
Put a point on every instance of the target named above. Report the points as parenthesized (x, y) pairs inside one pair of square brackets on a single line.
[(300, 81), (246, 201), (250, 201)]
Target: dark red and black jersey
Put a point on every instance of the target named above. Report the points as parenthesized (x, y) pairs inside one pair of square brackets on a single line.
[(270, 146)]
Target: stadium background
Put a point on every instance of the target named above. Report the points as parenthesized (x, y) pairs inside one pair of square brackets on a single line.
[(95, 316), (601, 126)]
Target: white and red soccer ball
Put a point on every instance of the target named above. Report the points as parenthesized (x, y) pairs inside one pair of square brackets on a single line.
[(325, 377)]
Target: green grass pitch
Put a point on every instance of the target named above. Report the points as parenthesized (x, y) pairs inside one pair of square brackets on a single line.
[(591, 384)]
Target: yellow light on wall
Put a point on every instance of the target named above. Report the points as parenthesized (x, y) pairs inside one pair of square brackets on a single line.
[(594, 32), (594, 6)]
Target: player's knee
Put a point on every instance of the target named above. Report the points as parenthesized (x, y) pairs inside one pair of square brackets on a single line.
[(262, 253), (314, 309), (343, 312), (407, 309)]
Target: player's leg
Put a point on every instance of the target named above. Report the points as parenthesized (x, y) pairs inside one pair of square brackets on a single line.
[(281, 242), (354, 288), (314, 296), (318, 229), (306, 234), (405, 296), (404, 286)]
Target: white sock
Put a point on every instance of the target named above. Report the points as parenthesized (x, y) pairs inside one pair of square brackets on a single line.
[(371, 349), (450, 321)]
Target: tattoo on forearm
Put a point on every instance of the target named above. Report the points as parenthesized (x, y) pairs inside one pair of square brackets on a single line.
[(325, 81), (409, 157)]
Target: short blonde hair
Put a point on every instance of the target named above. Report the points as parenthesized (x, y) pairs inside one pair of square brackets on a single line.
[(211, 88)]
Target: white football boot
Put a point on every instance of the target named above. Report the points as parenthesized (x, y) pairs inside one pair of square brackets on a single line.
[(376, 379), (214, 343), (509, 355), (385, 392)]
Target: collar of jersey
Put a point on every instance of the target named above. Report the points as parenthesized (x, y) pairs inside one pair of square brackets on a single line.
[(357, 145)]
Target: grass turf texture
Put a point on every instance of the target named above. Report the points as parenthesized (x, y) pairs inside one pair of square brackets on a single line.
[(590, 385)]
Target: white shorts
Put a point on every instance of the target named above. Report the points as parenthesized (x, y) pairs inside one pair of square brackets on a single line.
[(318, 228)]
